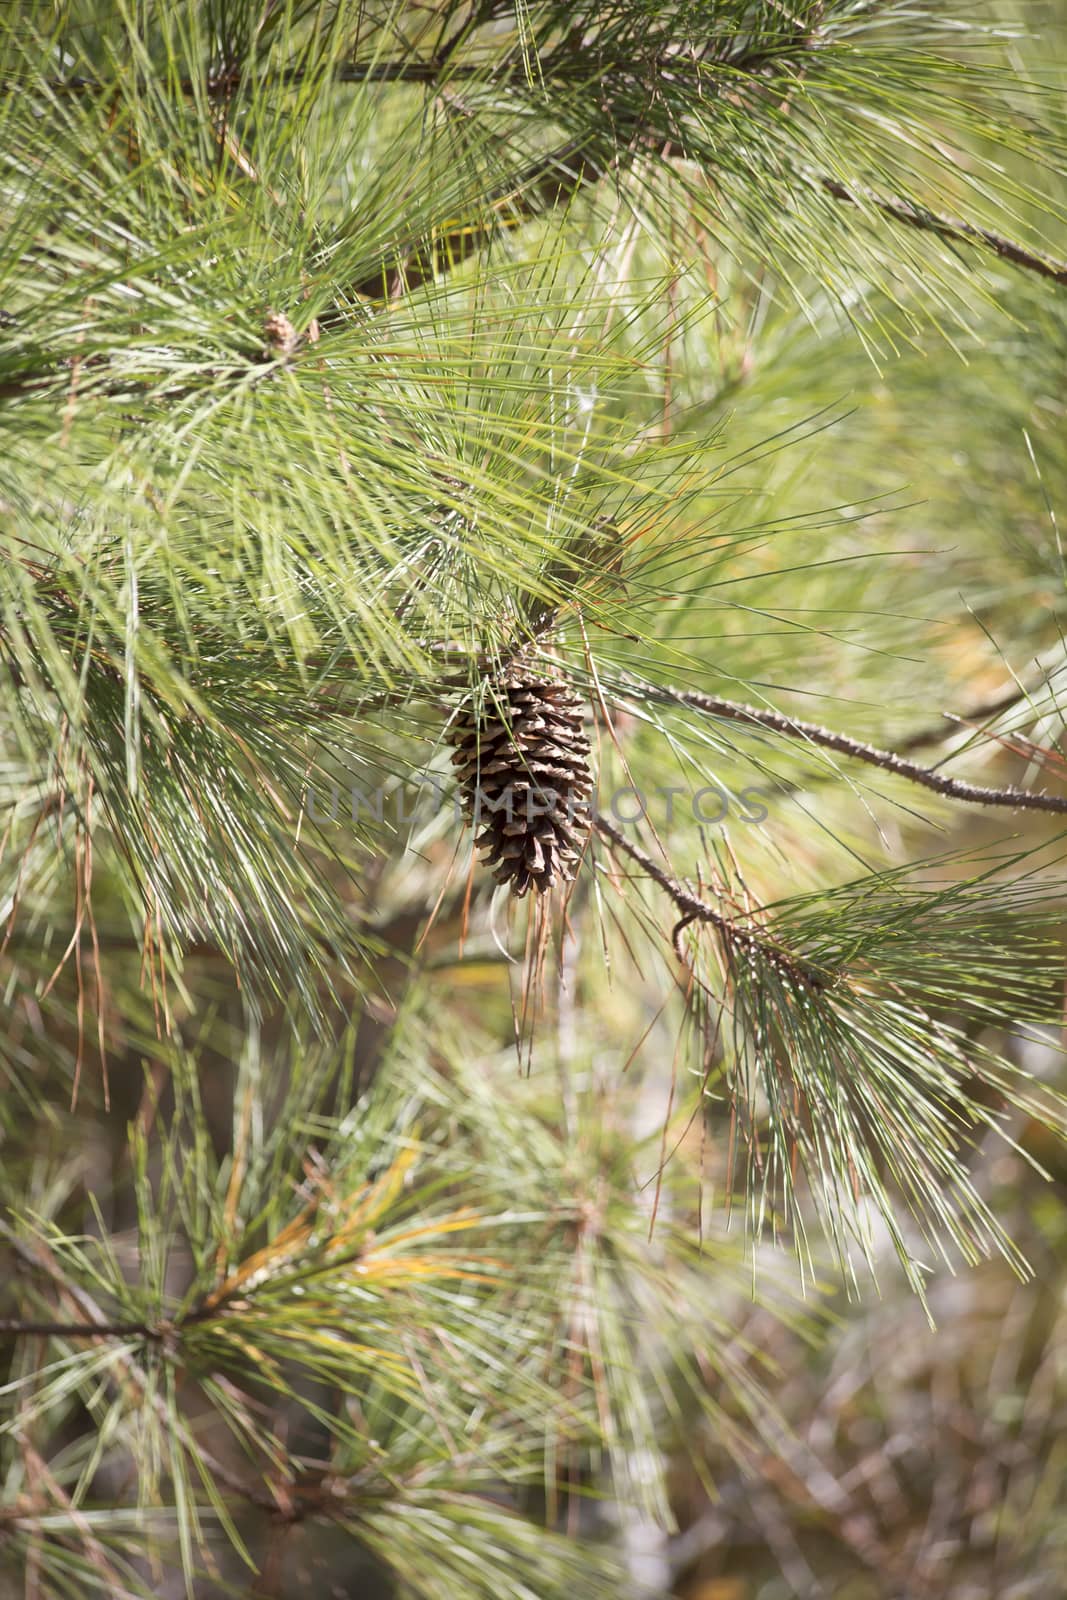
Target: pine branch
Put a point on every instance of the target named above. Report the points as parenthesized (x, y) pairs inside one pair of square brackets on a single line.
[(734, 935), (545, 184), (986, 711), (551, 180), (96, 1326), (954, 229), (887, 760), (80, 1330), (568, 62), (559, 176)]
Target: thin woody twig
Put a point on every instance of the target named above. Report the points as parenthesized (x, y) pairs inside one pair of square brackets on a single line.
[(735, 937), (974, 717), (887, 760), (565, 63), (96, 1327), (951, 228), (545, 183), (80, 1330)]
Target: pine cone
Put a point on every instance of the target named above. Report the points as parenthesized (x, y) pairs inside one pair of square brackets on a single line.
[(523, 772)]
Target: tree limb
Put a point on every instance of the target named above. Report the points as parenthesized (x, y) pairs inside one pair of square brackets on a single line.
[(887, 760), (954, 229), (735, 937), (975, 717), (95, 1327), (545, 183), (80, 1330)]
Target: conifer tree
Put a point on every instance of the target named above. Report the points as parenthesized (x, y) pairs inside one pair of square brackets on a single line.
[(531, 633)]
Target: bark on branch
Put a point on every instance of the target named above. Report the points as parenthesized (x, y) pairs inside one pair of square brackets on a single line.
[(736, 938), (887, 760), (954, 229)]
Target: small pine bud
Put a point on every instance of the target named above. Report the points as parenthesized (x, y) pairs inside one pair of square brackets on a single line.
[(282, 338)]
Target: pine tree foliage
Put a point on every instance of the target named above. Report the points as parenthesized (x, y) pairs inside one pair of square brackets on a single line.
[(705, 360)]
